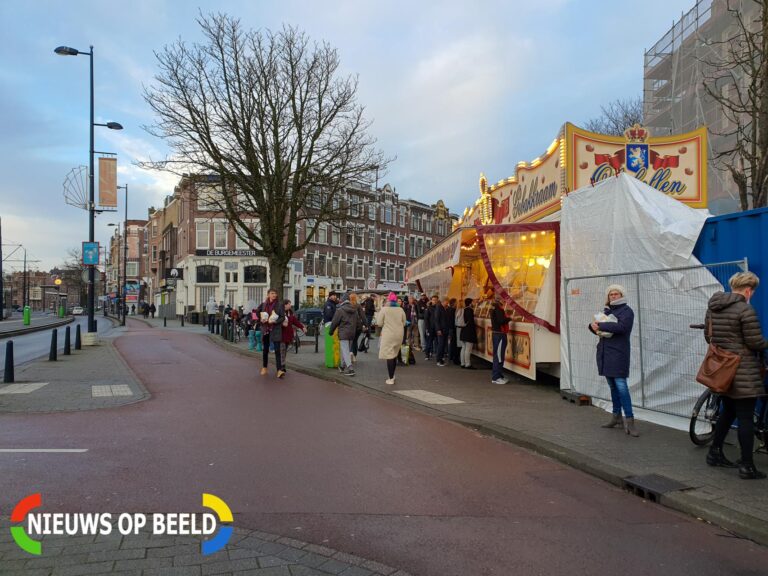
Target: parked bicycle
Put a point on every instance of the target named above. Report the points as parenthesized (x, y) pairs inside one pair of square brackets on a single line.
[(298, 333)]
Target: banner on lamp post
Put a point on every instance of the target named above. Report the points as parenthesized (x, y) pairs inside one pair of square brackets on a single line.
[(108, 182)]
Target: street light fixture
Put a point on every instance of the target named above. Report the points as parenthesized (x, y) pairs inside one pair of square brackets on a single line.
[(125, 257), (118, 292), (68, 51)]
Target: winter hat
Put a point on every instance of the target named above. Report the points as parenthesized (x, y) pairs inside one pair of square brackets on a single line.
[(392, 297), (345, 297)]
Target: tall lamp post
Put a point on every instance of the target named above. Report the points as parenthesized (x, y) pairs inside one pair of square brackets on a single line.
[(67, 51), (125, 253), (117, 287)]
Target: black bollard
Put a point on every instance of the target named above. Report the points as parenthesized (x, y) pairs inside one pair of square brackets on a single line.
[(67, 349), (78, 344), (182, 320), (8, 376), (54, 346), (224, 330), (218, 326), (165, 322), (317, 337)]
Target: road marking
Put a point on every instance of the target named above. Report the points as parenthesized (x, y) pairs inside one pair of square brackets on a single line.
[(22, 388), (429, 397), (52, 450), (109, 390)]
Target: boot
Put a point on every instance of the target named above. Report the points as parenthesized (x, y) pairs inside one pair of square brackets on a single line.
[(616, 420), (715, 457), (629, 427), (749, 472)]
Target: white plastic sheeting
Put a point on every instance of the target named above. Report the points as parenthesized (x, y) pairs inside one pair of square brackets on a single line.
[(623, 226)]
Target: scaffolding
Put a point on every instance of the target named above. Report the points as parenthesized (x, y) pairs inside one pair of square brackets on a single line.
[(674, 99)]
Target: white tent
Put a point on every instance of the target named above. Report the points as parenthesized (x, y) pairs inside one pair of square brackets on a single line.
[(621, 226)]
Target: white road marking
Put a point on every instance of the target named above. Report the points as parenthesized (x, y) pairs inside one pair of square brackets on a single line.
[(100, 391), (429, 397), (121, 390), (22, 388), (107, 391), (37, 450)]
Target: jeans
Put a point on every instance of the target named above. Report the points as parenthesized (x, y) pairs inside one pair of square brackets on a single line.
[(441, 342), (265, 352), (743, 409), (466, 353), (422, 333), (429, 345), (499, 351), (346, 353), (620, 396), (211, 320)]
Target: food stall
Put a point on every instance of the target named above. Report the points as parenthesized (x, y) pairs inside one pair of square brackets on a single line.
[(508, 242)]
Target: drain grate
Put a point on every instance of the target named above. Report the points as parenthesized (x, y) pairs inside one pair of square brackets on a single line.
[(652, 486)]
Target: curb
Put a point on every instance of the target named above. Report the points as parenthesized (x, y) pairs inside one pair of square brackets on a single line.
[(31, 329)]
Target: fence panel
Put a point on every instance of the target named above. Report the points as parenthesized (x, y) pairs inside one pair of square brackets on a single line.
[(666, 352)]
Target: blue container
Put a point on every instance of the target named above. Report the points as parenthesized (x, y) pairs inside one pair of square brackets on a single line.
[(734, 237)]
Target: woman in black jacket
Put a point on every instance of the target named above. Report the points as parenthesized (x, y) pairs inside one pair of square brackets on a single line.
[(736, 328), (468, 335)]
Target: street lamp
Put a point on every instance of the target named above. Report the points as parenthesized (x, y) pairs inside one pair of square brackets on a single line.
[(67, 51), (125, 254), (117, 287)]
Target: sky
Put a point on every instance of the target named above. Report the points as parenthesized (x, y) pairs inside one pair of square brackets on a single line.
[(453, 89)]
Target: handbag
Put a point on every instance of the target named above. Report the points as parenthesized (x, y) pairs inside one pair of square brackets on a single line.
[(718, 369)]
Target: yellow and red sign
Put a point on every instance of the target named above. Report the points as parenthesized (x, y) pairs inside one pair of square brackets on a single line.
[(675, 165)]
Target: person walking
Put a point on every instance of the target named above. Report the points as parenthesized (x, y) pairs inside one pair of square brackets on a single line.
[(735, 327), (271, 316), (613, 356), (430, 347), (453, 335), (370, 311), (499, 332), (211, 308), (330, 307), (361, 325), (290, 323), (440, 327), (347, 320), (412, 330), (468, 335), (392, 320), (152, 309)]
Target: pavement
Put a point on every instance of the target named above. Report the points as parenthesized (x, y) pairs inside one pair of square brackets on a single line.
[(531, 415)]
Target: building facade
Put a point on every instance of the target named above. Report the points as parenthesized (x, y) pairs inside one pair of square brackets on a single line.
[(128, 273), (674, 98)]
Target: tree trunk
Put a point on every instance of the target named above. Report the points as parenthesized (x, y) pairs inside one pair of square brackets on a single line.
[(277, 267)]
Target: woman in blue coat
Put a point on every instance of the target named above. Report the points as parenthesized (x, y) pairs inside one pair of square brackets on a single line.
[(613, 355)]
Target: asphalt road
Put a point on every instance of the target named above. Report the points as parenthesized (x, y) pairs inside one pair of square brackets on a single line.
[(340, 467), (38, 344)]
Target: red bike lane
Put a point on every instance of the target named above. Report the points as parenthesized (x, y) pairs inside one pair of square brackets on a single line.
[(336, 466)]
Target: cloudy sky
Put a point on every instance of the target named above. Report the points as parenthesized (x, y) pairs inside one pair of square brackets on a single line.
[(453, 89)]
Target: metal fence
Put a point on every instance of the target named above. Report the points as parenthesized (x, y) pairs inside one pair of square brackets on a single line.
[(666, 352)]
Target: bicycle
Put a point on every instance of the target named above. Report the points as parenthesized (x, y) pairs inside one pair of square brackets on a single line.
[(298, 333)]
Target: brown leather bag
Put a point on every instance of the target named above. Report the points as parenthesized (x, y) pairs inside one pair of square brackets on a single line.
[(719, 367)]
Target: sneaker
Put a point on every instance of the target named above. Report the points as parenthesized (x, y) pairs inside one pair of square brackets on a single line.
[(499, 381), (280, 373), (341, 369), (354, 358), (349, 372), (390, 381), (441, 364), (263, 371)]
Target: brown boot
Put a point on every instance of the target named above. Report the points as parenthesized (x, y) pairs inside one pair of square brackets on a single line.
[(616, 420), (629, 427)]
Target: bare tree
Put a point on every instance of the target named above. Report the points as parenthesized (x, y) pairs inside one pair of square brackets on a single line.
[(736, 78), (269, 117), (617, 116)]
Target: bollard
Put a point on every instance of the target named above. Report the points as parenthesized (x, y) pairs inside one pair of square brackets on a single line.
[(8, 376), (165, 322), (54, 346), (259, 340), (182, 320), (67, 349), (78, 343), (224, 330), (251, 339), (317, 338), (95, 325), (218, 326)]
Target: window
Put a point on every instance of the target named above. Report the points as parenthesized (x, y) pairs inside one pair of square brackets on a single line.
[(334, 271), (154, 253), (428, 244), (355, 206), (310, 264), (240, 244), (322, 234), (383, 271), (383, 241), (131, 269), (359, 269), (335, 236), (208, 197), (388, 214), (419, 247), (359, 238), (220, 235), (321, 271), (402, 217), (429, 226), (350, 269), (392, 243), (254, 274), (372, 212), (310, 293), (350, 238), (401, 246), (154, 229), (203, 231), (207, 273), (392, 272), (226, 277), (371, 239)]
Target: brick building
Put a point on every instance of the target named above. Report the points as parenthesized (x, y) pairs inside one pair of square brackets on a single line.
[(134, 283)]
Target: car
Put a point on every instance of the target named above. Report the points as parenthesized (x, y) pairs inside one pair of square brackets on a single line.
[(308, 316), (77, 310)]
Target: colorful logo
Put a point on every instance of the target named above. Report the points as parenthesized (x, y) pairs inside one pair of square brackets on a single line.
[(225, 532), (19, 515)]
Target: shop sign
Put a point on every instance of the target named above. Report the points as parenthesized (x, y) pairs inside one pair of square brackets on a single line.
[(216, 252), (443, 256), (675, 165)]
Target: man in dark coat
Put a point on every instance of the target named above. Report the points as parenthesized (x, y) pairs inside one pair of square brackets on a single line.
[(429, 332), (330, 307), (421, 309), (348, 321), (440, 327), (468, 335)]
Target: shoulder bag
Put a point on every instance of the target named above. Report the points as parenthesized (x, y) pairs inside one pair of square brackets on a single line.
[(719, 367)]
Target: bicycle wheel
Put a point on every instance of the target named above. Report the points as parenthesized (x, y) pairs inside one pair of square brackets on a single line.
[(703, 418)]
